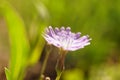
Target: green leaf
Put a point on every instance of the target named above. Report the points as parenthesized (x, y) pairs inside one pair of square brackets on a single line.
[(7, 74), (37, 50), (18, 41)]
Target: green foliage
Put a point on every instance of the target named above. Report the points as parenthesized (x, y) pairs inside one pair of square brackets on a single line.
[(27, 18), (75, 74), (7, 72), (22, 53), (18, 41)]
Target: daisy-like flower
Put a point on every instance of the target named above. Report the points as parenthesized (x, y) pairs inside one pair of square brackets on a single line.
[(65, 39)]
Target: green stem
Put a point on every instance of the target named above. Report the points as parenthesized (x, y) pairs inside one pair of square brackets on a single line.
[(45, 62), (60, 64)]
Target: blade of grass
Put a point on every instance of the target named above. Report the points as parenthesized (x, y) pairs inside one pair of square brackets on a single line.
[(7, 74), (18, 40), (37, 50), (42, 13)]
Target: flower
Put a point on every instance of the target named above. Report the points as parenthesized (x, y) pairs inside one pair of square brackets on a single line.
[(65, 39)]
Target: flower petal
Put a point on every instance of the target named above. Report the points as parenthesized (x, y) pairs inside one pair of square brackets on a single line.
[(64, 38)]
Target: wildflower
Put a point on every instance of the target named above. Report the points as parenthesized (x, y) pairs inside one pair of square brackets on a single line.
[(65, 39)]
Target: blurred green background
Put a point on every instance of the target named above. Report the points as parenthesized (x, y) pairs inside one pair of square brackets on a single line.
[(100, 19)]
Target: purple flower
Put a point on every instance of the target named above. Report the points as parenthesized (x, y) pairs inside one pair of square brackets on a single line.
[(65, 39)]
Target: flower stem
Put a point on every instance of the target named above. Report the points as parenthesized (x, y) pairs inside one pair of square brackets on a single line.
[(45, 62), (60, 64)]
